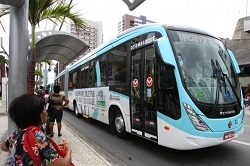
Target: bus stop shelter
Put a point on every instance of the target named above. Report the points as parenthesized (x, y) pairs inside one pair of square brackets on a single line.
[(60, 46)]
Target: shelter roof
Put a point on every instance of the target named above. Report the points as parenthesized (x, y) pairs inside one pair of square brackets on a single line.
[(57, 45)]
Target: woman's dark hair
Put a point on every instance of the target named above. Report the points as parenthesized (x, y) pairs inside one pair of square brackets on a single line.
[(26, 110), (56, 89)]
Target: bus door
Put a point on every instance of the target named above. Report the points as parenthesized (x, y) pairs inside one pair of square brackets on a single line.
[(143, 110)]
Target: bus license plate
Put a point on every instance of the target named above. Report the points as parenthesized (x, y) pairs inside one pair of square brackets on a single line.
[(228, 135)]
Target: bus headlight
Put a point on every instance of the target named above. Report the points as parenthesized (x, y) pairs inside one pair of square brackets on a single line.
[(196, 120)]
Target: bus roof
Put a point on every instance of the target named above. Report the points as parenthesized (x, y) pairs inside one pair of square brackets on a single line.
[(188, 29), (166, 26)]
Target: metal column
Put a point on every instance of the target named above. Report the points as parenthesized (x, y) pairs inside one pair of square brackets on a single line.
[(18, 48)]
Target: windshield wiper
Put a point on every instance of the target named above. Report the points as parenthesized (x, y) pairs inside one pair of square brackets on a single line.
[(220, 76), (234, 91), (216, 74)]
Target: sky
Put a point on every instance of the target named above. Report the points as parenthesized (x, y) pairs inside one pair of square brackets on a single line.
[(218, 17)]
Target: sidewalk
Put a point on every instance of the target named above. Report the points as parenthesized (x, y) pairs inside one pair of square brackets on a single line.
[(82, 153)]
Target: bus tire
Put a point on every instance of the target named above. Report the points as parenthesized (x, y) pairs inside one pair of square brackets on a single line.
[(78, 115), (119, 125)]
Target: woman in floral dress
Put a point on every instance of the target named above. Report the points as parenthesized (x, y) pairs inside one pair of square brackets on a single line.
[(29, 113)]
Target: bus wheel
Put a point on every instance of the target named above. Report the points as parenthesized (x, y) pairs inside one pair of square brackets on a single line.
[(78, 115), (119, 125)]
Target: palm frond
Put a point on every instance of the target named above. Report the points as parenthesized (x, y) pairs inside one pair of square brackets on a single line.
[(3, 59), (39, 73), (36, 8), (48, 61), (4, 11), (54, 11)]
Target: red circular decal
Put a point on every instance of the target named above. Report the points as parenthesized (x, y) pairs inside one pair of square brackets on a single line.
[(135, 83), (149, 81)]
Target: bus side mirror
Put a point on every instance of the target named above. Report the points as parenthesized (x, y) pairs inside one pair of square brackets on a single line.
[(236, 66), (164, 50)]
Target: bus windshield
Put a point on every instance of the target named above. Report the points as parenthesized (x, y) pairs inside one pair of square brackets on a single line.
[(206, 68)]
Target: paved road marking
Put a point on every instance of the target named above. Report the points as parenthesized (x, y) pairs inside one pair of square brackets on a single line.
[(240, 142)]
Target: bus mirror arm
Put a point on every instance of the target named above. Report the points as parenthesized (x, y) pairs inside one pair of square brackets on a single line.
[(163, 51)]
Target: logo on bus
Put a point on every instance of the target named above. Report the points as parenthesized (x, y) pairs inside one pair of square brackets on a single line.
[(149, 81), (114, 97), (135, 83)]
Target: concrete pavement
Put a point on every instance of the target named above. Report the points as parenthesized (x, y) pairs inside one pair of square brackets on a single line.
[(82, 153), (247, 111)]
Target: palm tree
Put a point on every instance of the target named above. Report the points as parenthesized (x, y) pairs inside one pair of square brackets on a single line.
[(38, 74), (54, 11), (2, 58), (38, 71)]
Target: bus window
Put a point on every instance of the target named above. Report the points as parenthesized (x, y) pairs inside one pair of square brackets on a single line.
[(61, 83), (168, 102), (117, 62), (84, 76), (73, 80), (92, 74), (102, 63)]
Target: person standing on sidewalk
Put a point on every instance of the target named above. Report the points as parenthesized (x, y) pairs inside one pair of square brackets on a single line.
[(46, 97), (56, 102), (40, 91), (247, 95), (29, 113)]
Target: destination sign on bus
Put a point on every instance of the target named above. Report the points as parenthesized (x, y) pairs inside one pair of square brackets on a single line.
[(196, 38)]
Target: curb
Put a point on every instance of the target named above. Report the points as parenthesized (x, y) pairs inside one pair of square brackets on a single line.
[(74, 132)]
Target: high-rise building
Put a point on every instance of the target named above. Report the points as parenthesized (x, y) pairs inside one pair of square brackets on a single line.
[(92, 35), (129, 21)]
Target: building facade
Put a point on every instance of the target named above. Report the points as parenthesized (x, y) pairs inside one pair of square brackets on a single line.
[(240, 46), (92, 36), (129, 21)]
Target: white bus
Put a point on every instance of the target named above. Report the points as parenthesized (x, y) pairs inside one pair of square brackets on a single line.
[(139, 83)]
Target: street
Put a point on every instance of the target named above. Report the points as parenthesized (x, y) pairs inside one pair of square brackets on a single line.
[(137, 151)]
